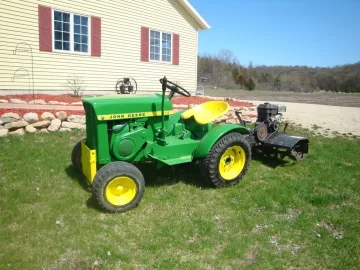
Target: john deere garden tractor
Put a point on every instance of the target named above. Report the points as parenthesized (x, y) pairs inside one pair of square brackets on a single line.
[(122, 130)]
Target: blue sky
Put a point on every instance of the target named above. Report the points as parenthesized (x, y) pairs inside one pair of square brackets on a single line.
[(282, 32)]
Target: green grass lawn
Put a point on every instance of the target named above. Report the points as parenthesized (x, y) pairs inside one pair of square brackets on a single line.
[(282, 215)]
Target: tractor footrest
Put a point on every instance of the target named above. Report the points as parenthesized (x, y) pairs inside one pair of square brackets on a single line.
[(173, 161)]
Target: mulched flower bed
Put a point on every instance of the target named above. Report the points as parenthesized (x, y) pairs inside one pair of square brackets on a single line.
[(177, 100), (61, 98), (198, 100)]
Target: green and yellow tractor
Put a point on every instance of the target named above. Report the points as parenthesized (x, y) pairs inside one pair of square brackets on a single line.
[(123, 130)]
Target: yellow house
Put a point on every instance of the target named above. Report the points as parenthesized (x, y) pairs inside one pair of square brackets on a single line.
[(94, 43)]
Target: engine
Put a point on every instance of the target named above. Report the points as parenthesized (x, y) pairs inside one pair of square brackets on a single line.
[(268, 120)]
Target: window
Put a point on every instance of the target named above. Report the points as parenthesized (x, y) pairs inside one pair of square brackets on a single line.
[(160, 46), (157, 46), (81, 33), (71, 32)]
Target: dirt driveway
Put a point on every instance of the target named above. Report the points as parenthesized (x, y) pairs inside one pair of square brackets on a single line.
[(333, 99), (323, 119), (329, 114)]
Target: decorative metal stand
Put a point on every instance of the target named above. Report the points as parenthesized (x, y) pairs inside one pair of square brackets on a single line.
[(126, 86), (20, 48)]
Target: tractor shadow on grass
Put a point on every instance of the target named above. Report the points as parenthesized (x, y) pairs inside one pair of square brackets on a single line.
[(188, 174), (83, 183), (77, 177), (271, 161)]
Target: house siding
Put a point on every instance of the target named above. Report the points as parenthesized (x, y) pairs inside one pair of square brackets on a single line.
[(121, 23)]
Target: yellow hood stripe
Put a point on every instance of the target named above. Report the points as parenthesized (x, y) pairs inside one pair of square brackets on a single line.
[(132, 115)]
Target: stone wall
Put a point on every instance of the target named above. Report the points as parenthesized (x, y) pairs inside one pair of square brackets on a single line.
[(12, 123)]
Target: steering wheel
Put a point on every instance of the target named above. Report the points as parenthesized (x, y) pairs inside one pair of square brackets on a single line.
[(174, 88)]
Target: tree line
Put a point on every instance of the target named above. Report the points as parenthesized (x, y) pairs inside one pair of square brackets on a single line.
[(223, 70)]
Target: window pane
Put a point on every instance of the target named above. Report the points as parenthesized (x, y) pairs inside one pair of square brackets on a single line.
[(157, 57), (76, 19), (151, 33), (66, 27), (84, 30), (57, 16), (152, 49), (77, 47), (84, 21), (66, 17), (66, 36), (163, 51), (84, 48), (77, 38), (169, 58), (84, 39), (166, 36), (58, 26), (77, 29), (157, 34), (152, 57), (157, 50), (58, 45), (66, 46), (58, 35)]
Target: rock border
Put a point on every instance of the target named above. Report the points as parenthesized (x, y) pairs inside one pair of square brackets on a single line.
[(13, 124), (38, 102)]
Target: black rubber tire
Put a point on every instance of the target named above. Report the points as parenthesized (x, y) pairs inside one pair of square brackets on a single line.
[(109, 172), (209, 166), (76, 156)]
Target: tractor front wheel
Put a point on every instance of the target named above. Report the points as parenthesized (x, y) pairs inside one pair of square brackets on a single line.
[(227, 161), (118, 186)]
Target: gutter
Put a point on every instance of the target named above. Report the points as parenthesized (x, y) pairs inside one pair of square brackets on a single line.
[(194, 14)]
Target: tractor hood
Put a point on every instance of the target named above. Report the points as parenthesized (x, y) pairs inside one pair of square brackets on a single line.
[(112, 107)]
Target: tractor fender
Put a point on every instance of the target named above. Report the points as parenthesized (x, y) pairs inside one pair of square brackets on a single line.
[(214, 135)]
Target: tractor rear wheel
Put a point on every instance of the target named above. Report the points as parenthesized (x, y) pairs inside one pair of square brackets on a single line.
[(118, 186), (227, 161), (76, 156)]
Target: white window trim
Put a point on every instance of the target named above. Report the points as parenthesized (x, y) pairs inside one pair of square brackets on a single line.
[(172, 39), (71, 51)]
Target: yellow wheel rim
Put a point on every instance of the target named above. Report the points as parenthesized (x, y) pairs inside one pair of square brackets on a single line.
[(232, 162), (120, 191)]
